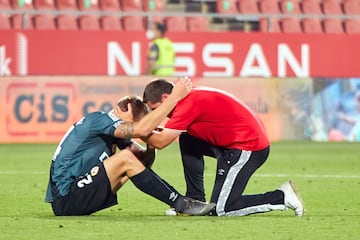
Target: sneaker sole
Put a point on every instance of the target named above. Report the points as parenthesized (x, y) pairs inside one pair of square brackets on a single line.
[(298, 196), (205, 211)]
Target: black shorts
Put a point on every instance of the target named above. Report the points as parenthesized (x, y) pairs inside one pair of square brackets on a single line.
[(88, 194)]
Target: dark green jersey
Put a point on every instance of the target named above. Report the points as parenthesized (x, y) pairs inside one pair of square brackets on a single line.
[(87, 142)]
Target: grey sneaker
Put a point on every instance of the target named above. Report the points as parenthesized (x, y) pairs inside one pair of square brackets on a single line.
[(170, 212), (292, 198), (191, 207)]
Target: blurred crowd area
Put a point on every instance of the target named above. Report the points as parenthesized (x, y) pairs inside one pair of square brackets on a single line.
[(288, 16)]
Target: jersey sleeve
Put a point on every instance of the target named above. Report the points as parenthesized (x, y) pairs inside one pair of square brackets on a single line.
[(104, 123)]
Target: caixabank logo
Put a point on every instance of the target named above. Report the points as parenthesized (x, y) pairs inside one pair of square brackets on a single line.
[(39, 110)]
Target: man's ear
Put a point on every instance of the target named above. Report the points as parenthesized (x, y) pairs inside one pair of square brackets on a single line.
[(164, 96)]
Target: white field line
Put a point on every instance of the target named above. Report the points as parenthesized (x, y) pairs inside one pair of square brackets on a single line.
[(279, 175), (308, 175)]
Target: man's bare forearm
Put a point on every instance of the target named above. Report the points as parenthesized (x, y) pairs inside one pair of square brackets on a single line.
[(125, 130)]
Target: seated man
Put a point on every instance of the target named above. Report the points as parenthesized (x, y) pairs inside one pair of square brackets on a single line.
[(86, 173)]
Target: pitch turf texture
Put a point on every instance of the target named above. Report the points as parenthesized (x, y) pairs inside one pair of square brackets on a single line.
[(326, 174)]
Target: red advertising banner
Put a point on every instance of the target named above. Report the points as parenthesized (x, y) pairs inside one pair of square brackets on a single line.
[(41, 109), (209, 54)]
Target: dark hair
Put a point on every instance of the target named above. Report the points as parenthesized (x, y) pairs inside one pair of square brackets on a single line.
[(139, 109), (154, 90), (161, 27)]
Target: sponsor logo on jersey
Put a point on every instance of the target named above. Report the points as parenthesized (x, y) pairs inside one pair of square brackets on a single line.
[(94, 171)]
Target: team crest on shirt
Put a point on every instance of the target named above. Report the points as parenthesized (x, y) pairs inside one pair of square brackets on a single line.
[(94, 171)]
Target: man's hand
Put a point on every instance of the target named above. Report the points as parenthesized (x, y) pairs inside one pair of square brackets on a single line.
[(148, 157), (145, 155), (127, 114), (182, 88)]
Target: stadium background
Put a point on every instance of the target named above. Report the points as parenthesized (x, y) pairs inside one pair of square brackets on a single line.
[(294, 62)]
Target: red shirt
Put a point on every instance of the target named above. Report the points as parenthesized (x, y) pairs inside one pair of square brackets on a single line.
[(217, 117)]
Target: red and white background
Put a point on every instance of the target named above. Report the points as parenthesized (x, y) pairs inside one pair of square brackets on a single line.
[(198, 54), (51, 78)]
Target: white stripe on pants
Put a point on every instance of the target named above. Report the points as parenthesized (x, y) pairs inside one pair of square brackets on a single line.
[(227, 187)]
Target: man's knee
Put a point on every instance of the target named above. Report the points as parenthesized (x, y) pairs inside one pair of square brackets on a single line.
[(125, 154), (127, 158)]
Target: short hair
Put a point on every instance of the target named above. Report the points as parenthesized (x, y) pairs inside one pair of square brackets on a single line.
[(154, 90), (160, 27), (139, 108)]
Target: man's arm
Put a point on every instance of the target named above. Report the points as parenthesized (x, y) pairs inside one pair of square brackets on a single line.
[(150, 121), (153, 55), (163, 138)]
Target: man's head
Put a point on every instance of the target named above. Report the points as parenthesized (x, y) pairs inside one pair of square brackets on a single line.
[(156, 92), (138, 108), (158, 29)]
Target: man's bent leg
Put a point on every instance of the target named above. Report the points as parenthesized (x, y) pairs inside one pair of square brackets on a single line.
[(193, 151), (230, 199), (125, 164), (150, 183)]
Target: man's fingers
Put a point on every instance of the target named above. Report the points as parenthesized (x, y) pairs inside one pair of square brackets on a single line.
[(187, 82), (129, 108)]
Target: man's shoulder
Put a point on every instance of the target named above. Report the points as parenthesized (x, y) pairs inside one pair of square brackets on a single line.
[(162, 41), (98, 119), (154, 46), (98, 115)]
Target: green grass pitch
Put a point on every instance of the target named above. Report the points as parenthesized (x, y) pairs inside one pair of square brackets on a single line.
[(326, 174)]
